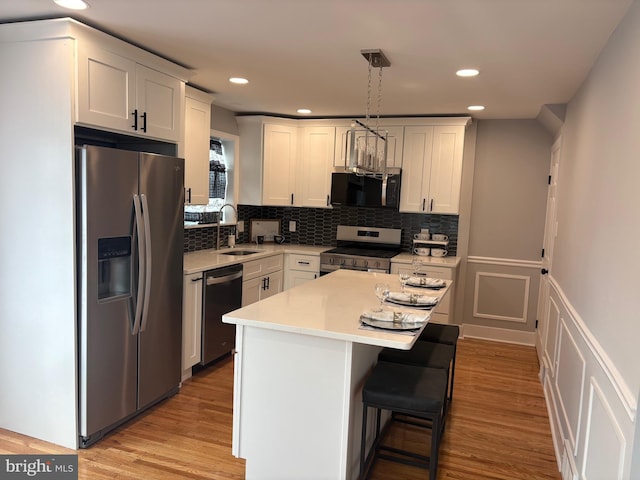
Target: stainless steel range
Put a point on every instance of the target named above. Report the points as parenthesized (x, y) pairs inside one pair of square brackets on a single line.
[(362, 248)]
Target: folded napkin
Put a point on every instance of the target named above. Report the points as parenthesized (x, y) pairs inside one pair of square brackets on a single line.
[(412, 298), (425, 282), (395, 316)]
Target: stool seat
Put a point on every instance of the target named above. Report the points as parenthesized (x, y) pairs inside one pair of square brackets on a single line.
[(424, 354), (440, 333), (393, 386)]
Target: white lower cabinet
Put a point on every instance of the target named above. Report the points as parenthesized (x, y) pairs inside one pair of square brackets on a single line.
[(261, 279), (191, 322), (443, 313), (300, 269)]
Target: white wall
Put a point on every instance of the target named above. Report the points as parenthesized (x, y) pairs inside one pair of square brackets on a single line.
[(592, 367), (507, 224)]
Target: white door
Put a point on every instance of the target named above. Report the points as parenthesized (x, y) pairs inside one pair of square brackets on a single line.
[(550, 231)]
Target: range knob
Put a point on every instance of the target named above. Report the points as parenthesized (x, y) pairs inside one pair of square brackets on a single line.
[(376, 264), (331, 260), (342, 261)]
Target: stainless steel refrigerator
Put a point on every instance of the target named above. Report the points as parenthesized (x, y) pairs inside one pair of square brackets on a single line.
[(129, 225)]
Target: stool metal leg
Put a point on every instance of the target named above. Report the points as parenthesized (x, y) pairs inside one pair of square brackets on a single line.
[(363, 445)]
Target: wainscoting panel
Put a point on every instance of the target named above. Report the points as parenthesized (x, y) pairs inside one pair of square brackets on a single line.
[(501, 299), (605, 442), (592, 410), (551, 335), (570, 383), (501, 296)]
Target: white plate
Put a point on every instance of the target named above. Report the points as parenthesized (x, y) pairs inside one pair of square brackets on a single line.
[(391, 325)]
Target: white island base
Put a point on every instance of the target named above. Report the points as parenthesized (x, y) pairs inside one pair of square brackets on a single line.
[(301, 360)]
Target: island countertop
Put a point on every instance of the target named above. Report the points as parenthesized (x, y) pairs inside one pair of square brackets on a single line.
[(329, 307)]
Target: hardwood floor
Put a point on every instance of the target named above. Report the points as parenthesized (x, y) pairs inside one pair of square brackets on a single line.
[(497, 429)]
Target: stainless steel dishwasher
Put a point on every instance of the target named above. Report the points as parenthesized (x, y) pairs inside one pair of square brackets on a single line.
[(222, 294)]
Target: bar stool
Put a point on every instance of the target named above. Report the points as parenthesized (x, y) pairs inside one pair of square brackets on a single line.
[(424, 354), (418, 392), (447, 334)]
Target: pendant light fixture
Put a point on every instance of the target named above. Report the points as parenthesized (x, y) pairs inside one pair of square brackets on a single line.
[(366, 152)]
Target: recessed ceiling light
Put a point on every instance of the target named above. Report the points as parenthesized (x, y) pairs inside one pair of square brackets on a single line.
[(72, 4), (239, 80), (475, 108), (467, 72), (304, 110)]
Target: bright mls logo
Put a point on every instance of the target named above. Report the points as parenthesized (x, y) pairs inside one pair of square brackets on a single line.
[(51, 467)]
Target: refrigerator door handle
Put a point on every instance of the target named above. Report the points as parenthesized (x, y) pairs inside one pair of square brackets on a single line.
[(147, 248), (141, 264)]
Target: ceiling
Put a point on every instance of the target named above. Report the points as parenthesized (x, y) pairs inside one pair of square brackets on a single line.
[(306, 53)]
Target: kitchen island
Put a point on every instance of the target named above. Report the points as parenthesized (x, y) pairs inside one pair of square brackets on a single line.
[(301, 359)]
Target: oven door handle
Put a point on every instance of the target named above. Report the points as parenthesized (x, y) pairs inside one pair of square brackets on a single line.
[(377, 270)]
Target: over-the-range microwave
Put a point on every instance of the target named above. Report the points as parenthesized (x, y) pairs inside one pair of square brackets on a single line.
[(351, 189)]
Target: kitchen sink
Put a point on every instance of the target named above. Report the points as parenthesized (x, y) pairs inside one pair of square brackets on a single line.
[(238, 252)]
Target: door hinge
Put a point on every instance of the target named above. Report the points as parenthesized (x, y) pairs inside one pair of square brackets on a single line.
[(536, 323)]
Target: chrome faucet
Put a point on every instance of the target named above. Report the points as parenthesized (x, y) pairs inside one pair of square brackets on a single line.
[(220, 220)]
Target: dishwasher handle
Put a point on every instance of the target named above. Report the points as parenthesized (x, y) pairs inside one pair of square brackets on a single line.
[(213, 280)]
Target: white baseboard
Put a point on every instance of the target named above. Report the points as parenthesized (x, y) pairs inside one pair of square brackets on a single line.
[(498, 334)]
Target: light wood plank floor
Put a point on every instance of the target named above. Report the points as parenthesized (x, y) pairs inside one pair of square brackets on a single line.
[(497, 429)]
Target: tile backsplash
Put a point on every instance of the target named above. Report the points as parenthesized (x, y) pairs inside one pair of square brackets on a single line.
[(317, 226)]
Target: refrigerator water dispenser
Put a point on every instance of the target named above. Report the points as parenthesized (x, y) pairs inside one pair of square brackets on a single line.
[(114, 267)]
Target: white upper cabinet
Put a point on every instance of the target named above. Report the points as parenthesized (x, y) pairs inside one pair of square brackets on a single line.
[(197, 132), (158, 98), (284, 164), (106, 89), (287, 162), (279, 163), (125, 89), (316, 165), (394, 145), (117, 93), (432, 169)]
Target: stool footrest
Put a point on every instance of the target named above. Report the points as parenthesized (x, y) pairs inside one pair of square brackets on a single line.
[(413, 459)]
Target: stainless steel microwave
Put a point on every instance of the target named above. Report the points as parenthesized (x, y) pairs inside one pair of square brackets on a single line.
[(351, 189)]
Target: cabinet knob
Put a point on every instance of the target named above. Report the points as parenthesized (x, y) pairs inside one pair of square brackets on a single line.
[(135, 120), (144, 122), (544, 271), (424, 203)]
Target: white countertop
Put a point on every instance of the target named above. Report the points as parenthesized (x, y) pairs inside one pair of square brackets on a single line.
[(207, 259), (202, 260), (328, 307)]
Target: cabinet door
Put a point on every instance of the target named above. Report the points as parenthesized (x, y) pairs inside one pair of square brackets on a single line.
[(279, 165), (416, 168), (251, 290), (158, 96), (297, 277), (106, 90), (318, 144), (446, 169), (191, 320), (197, 127), (394, 146), (274, 285)]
